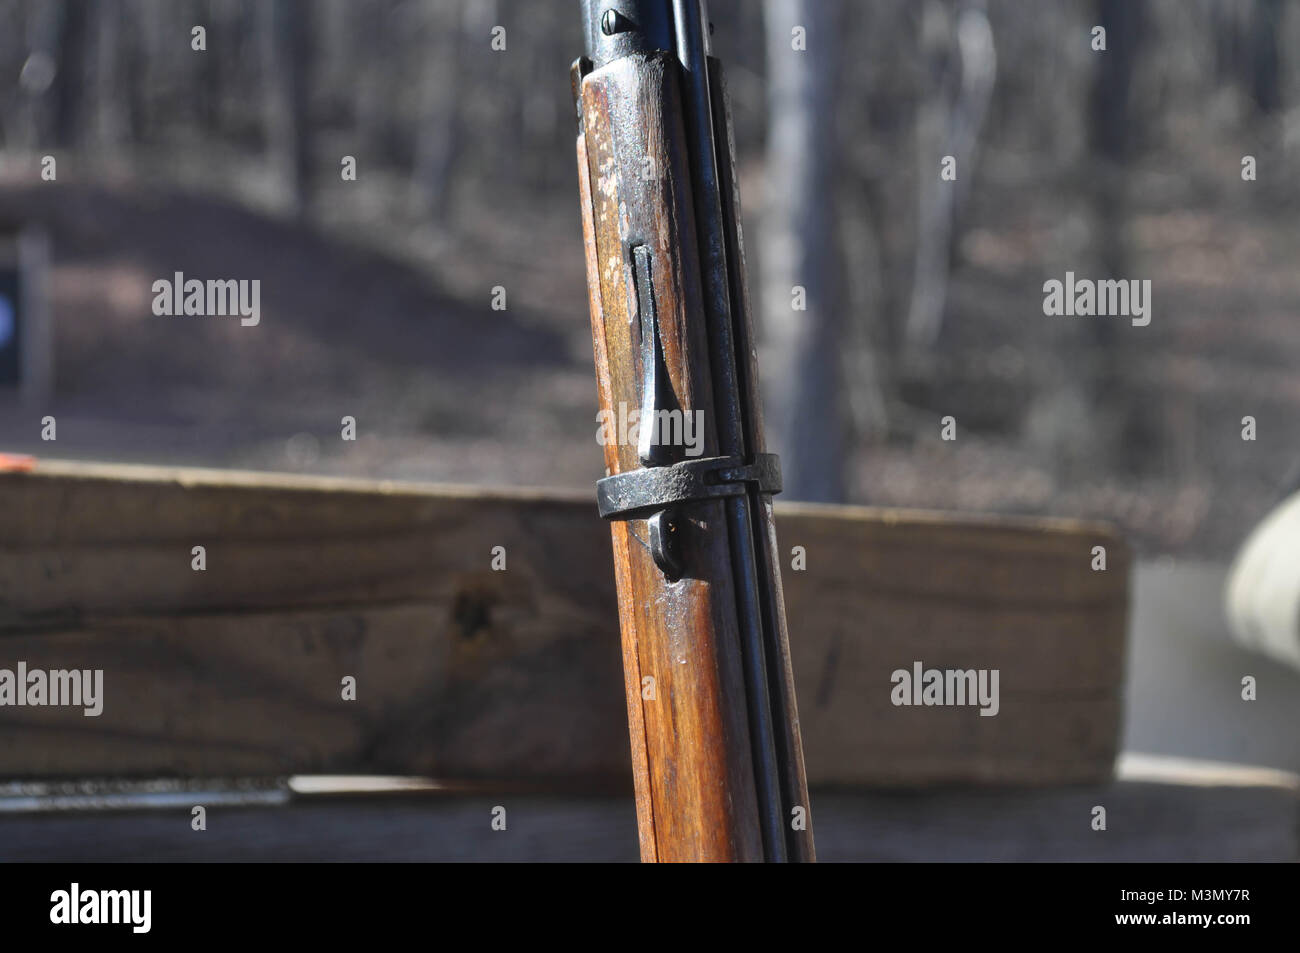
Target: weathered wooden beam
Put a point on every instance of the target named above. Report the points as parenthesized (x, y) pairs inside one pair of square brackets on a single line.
[(467, 672)]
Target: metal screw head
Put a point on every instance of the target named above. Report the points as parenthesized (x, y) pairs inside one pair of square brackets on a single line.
[(614, 22), (664, 547)]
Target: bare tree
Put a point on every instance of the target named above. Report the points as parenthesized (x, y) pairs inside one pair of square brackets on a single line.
[(948, 124), (447, 30), (111, 121), (287, 38), (1127, 433), (1265, 73), (69, 81), (800, 320)]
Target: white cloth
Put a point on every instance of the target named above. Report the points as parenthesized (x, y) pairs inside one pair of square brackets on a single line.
[(1262, 595)]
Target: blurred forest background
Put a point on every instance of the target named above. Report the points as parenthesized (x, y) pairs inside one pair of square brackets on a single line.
[(924, 298)]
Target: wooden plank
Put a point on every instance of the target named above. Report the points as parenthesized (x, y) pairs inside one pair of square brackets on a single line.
[(465, 672)]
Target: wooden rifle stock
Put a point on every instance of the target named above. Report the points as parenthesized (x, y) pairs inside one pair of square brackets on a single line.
[(717, 756)]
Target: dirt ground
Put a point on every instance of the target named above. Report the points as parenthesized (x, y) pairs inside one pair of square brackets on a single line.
[(442, 387), (445, 388)]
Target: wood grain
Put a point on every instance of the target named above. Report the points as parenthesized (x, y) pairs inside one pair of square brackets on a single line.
[(464, 672), (627, 619), (699, 783)]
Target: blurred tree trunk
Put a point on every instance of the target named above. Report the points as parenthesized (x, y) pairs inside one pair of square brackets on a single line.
[(1265, 69), (438, 137), (111, 119), (369, 38), (135, 71), (1226, 34), (33, 120), (802, 368), (211, 73), (287, 38), (1127, 434), (69, 81), (1109, 110), (961, 65)]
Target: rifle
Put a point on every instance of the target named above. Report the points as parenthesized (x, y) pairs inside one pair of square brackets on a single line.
[(716, 752)]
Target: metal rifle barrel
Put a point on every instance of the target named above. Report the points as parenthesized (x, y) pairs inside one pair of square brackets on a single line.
[(692, 53)]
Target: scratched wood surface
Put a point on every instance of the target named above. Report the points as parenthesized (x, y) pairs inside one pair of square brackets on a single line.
[(467, 672), (694, 733)]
